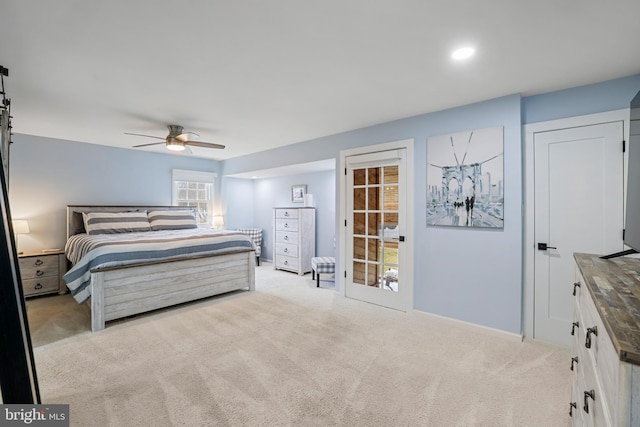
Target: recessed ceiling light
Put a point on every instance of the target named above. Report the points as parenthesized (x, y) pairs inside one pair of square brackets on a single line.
[(463, 53)]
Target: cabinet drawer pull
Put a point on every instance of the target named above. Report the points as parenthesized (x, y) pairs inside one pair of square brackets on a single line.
[(573, 328), (39, 273), (286, 225), (286, 213), (574, 359), (575, 285), (594, 331), (286, 250), (37, 286), (587, 395), (286, 263), (572, 406), (38, 262), (286, 237)]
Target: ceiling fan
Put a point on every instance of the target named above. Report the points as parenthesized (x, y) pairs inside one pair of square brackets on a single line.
[(177, 140)]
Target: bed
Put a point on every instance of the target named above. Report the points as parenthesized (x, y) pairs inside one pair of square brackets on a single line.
[(120, 281)]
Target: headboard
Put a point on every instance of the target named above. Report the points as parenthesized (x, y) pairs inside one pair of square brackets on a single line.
[(75, 223)]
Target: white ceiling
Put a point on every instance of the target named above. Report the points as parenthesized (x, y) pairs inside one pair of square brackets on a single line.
[(255, 74)]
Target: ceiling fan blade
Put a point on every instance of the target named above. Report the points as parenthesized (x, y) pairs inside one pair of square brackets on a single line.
[(146, 145), (147, 136), (203, 144), (186, 136)]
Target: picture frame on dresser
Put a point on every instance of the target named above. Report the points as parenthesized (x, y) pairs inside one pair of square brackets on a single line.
[(297, 193)]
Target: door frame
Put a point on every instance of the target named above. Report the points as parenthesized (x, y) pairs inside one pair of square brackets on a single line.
[(408, 245), (529, 131)]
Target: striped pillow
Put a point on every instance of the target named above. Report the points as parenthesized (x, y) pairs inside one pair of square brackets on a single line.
[(172, 220), (115, 222)]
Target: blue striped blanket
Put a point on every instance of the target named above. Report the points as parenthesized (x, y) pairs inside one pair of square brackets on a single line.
[(91, 252)]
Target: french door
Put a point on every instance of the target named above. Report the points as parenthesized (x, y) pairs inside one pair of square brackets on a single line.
[(376, 221)]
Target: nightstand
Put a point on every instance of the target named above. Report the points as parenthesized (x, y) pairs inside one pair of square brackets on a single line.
[(42, 272)]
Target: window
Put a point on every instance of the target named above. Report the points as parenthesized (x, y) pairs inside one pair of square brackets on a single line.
[(196, 189)]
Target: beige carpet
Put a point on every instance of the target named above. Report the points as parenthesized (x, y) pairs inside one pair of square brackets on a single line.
[(293, 355)]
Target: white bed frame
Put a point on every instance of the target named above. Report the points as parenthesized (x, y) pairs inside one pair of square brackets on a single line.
[(118, 292)]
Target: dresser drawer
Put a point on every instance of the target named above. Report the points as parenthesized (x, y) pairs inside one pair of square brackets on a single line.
[(36, 267), (40, 286), (283, 261), (605, 360), (287, 213), (593, 409), (286, 237), (287, 249), (287, 224)]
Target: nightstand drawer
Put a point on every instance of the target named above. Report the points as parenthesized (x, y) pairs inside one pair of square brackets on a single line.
[(36, 267), (40, 286)]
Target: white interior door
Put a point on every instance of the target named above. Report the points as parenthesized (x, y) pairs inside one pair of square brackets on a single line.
[(579, 182), (376, 221)]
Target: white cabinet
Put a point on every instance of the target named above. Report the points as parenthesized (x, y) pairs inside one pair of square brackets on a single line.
[(294, 239), (606, 352)]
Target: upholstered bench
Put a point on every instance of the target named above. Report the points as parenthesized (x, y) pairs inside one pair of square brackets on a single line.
[(324, 265)]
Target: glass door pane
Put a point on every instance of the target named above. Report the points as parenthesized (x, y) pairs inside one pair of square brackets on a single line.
[(375, 227)]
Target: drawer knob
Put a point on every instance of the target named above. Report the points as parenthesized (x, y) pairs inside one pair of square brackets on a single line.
[(286, 263), (574, 359), (286, 214), (575, 285), (594, 331), (286, 225), (286, 250), (573, 328), (588, 394), (572, 406), (39, 273), (38, 262), (37, 286), (286, 237)]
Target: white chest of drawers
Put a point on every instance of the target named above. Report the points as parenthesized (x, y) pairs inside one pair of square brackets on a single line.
[(606, 347), (294, 239)]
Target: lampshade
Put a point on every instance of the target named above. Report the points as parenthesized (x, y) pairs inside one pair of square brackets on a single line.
[(20, 226), (218, 221)]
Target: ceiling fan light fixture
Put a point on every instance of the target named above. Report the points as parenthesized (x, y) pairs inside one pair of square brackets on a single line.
[(175, 144)]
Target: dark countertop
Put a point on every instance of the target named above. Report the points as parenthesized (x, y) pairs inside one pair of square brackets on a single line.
[(614, 285)]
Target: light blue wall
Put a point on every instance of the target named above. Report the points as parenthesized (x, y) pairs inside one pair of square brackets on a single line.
[(262, 195), (48, 174), (237, 203), (578, 101)]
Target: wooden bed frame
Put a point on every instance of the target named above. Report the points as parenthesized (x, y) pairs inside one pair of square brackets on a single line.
[(118, 292)]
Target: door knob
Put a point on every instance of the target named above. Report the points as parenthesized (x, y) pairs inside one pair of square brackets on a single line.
[(544, 247)]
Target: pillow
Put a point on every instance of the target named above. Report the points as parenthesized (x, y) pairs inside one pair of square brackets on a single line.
[(115, 222), (172, 219)]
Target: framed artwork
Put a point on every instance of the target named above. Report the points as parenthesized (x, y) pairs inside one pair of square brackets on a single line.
[(298, 192), (465, 179)]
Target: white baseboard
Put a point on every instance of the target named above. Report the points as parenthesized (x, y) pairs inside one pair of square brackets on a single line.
[(470, 325)]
